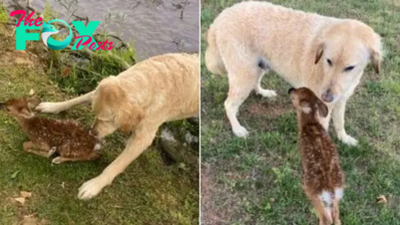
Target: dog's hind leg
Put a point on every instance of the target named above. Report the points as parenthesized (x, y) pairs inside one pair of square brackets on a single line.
[(56, 107), (262, 64), (140, 141), (241, 83), (264, 92)]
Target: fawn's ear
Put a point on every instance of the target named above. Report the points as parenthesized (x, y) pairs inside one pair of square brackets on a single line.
[(305, 107), (27, 114), (33, 102), (322, 108)]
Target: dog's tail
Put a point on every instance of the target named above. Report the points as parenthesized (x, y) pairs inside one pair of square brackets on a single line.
[(213, 57)]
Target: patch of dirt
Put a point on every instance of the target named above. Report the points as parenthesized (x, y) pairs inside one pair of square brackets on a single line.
[(10, 56), (209, 214), (18, 57), (219, 203), (268, 110), (24, 216)]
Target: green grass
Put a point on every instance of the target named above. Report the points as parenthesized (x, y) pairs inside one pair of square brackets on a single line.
[(258, 180), (3, 15), (148, 192)]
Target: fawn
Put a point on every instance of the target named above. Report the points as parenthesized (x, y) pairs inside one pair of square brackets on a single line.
[(323, 179), (47, 136)]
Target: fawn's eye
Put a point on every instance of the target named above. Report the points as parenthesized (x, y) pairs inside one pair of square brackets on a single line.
[(349, 68), (329, 62)]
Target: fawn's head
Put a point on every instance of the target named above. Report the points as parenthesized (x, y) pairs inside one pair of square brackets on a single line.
[(20, 107), (307, 103)]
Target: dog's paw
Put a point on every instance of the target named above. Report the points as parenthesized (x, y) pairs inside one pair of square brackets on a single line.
[(240, 132), (267, 93), (57, 160), (90, 188), (49, 107), (347, 139)]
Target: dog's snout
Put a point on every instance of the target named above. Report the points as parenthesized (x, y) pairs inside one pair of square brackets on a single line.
[(327, 96), (291, 90)]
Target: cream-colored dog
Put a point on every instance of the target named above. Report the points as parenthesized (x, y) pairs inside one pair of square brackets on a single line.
[(327, 55), (140, 99)]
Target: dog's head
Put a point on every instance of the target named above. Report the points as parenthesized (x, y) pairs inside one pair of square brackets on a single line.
[(20, 107), (344, 50), (113, 108), (306, 102)]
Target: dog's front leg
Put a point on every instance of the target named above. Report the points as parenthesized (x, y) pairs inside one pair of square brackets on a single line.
[(135, 146), (324, 121), (338, 122), (56, 107)]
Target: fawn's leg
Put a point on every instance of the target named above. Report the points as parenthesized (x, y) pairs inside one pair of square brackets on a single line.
[(91, 157), (41, 150), (336, 219), (324, 217)]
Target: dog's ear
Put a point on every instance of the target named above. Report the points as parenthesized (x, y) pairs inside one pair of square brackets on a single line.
[(322, 108), (128, 115), (319, 53), (305, 107), (376, 58), (33, 102), (374, 45)]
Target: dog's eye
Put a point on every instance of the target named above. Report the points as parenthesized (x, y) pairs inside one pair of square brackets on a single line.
[(349, 68), (329, 62)]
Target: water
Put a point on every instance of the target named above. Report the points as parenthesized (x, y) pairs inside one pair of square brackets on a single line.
[(154, 26)]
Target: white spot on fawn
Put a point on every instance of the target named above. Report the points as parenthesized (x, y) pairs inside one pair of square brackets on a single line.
[(339, 193), (306, 109), (326, 198), (97, 147)]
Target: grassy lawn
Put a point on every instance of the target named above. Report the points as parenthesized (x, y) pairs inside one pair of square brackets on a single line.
[(258, 180), (148, 192)]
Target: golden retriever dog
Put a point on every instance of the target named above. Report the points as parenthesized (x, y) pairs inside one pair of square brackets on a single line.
[(327, 55), (138, 100)]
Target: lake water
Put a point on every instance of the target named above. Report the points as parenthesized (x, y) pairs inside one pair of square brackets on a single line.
[(154, 26)]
